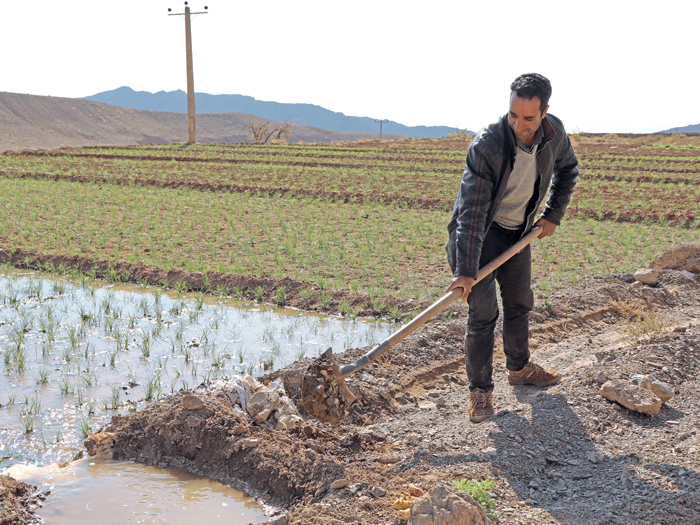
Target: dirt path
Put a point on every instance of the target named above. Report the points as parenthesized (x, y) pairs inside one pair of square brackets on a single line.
[(558, 455)]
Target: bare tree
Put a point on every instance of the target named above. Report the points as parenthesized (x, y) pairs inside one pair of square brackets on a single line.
[(261, 133)]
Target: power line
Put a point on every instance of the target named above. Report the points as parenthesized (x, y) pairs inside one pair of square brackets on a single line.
[(380, 126), (191, 133)]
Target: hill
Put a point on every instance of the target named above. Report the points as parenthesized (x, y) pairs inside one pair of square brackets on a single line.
[(693, 128), (308, 114), (37, 122)]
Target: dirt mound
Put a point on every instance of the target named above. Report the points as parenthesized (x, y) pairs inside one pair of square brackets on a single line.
[(680, 256), (282, 468), (18, 502)]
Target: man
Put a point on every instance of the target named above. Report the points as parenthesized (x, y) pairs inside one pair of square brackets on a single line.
[(509, 168)]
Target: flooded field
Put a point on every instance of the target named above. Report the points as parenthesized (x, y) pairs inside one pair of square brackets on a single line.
[(74, 353)]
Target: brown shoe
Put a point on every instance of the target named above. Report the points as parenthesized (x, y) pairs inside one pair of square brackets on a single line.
[(533, 374), (480, 405)]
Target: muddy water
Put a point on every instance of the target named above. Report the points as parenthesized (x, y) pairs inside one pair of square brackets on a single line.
[(75, 352), (99, 490)]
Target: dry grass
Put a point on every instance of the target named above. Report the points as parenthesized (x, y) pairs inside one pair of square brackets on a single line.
[(641, 323)]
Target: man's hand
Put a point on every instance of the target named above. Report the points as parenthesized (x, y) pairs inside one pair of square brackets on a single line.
[(465, 283), (547, 228)]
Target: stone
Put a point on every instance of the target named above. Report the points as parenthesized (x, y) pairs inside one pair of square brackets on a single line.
[(446, 505), (278, 520), (662, 390), (340, 484), (288, 422), (600, 378), (368, 378), (388, 459), (262, 404), (490, 451), (401, 399), (647, 276), (440, 401), (249, 442), (377, 492), (190, 402), (626, 278), (594, 456), (239, 429), (683, 256), (427, 405), (285, 407), (631, 396)]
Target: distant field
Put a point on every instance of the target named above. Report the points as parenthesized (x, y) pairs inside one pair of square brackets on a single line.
[(365, 217)]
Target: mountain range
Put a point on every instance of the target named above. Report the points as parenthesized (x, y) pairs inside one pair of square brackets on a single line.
[(307, 114), (40, 122)]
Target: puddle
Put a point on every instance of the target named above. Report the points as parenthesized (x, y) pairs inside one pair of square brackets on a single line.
[(100, 490), (73, 354)]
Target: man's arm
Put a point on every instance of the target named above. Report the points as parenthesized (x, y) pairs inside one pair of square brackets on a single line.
[(474, 199), (563, 182)]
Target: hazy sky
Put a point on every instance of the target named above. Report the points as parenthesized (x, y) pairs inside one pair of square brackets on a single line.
[(615, 66)]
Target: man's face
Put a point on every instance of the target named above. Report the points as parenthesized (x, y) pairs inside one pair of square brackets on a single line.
[(524, 117)]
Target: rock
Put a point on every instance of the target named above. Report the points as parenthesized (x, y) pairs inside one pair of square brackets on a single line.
[(288, 422), (647, 276), (388, 459), (190, 402), (278, 520), (377, 492), (262, 404), (662, 390), (445, 505), (426, 405), (680, 256), (490, 451), (239, 429), (401, 399), (600, 378), (626, 278), (440, 401), (594, 456), (434, 395), (285, 407), (340, 484), (631, 396), (368, 378), (249, 442)]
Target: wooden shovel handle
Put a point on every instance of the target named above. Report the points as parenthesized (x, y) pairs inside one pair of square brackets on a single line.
[(435, 308)]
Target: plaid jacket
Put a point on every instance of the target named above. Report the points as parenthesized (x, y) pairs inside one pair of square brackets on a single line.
[(488, 166)]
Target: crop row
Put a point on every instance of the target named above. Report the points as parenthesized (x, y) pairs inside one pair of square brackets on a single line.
[(375, 249), (601, 190)]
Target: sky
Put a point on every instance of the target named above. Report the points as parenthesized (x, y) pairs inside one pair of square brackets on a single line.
[(615, 66)]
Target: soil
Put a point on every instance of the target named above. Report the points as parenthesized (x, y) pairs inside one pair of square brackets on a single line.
[(561, 455), (18, 502)]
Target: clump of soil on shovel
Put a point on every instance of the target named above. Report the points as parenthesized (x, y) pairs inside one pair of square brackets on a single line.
[(321, 395)]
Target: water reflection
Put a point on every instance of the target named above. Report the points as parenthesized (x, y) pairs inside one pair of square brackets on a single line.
[(74, 353), (99, 490)]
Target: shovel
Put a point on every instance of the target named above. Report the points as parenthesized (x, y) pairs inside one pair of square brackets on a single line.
[(324, 393)]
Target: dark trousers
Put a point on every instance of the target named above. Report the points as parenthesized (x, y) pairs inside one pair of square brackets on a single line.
[(514, 281)]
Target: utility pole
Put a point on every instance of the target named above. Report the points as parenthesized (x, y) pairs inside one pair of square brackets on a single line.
[(380, 126), (191, 133)]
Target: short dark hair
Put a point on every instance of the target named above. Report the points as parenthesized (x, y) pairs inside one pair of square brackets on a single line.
[(531, 85)]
